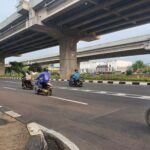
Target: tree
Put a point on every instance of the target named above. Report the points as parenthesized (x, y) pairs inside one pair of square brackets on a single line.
[(138, 65), (35, 67), (129, 72), (8, 70), (17, 67)]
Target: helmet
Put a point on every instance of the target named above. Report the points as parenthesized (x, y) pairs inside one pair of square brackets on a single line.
[(76, 70), (28, 72), (45, 69)]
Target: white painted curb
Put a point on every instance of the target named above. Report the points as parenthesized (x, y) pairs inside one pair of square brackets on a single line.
[(37, 129), (138, 83)]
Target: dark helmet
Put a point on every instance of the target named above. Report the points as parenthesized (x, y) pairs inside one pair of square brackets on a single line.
[(28, 72), (45, 69), (76, 70)]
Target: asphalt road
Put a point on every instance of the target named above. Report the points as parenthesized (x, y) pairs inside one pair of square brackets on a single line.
[(95, 117)]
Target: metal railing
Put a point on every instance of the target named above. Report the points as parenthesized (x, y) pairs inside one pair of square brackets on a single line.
[(13, 29)]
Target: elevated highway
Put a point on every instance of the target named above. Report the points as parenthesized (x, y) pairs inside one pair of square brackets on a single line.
[(41, 24), (127, 47)]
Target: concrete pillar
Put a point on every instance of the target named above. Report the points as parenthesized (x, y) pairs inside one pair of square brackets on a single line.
[(78, 65), (68, 56), (2, 67)]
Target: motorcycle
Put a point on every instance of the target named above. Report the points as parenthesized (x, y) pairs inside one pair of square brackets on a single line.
[(27, 84), (147, 117), (78, 83), (46, 89)]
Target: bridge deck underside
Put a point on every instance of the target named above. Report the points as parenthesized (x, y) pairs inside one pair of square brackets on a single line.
[(102, 16), (87, 16), (25, 41)]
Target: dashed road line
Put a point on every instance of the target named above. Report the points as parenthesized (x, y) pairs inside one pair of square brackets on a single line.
[(144, 97), (11, 82), (13, 114), (68, 100), (108, 93), (9, 88)]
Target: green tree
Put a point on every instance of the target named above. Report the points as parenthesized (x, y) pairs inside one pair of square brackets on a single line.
[(146, 69), (129, 72), (8, 70), (35, 67), (138, 65), (17, 67)]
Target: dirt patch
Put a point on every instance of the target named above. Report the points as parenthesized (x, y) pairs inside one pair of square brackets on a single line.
[(13, 134)]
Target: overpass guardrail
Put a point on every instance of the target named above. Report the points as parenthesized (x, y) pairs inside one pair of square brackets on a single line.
[(13, 29)]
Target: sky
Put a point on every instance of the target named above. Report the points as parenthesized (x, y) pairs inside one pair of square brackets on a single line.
[(7, 7)]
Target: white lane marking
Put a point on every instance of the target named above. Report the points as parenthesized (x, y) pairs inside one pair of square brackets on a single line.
[(101, 92), (68, 100), (75, 89), (9, 88), (62, 87), (11, 82), (1, 106), (120, 94), (12, 114), (97, 92), (85, 90), (109, 93)]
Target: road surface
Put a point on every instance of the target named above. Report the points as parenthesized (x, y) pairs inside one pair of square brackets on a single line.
[(95, 117)]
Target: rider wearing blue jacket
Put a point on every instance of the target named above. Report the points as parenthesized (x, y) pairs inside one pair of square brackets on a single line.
[(75, 76), (43, 78)]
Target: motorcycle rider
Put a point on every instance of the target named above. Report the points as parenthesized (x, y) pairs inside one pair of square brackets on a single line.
[(43, 78), (75, 76), (27, 77)]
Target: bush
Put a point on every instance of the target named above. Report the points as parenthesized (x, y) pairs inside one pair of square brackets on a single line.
[(129, 72), (55, 75)]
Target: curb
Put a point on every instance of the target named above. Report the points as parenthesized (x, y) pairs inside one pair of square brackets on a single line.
[(98, 81), (110, 82), (40, 135), (63, 143)]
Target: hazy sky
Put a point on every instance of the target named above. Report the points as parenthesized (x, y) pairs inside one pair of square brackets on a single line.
[(7, 7)]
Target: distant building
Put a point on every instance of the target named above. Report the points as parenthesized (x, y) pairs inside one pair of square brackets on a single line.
[(105, 67)]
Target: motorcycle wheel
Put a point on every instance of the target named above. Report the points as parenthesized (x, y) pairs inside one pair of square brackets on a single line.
[(80, 84), (23, 86), (70, 83), (36, 90), (49, 92), (31, 87), (147, 117)]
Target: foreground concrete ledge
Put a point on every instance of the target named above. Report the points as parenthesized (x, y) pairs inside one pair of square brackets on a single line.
[(57, 139), (35, 136), (98, 81)]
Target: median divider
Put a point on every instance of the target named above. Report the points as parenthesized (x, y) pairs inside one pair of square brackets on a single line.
[(110, 82), (98, 81)]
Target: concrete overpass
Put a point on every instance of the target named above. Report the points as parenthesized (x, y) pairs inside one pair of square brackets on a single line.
[(41, 24), (127, 47)]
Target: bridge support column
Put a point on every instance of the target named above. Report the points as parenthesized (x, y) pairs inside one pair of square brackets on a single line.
[(68, 56), (2, 67), (78, 65)]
